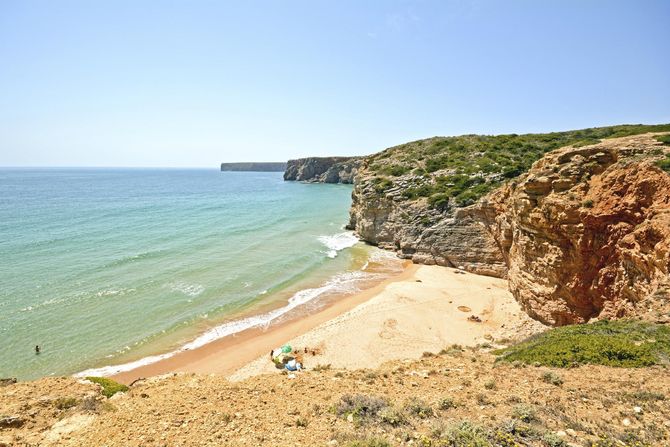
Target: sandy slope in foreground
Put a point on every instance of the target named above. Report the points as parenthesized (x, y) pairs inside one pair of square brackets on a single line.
[(425, 311)]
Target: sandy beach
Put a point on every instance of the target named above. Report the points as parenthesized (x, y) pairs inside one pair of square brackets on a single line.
[(424, 308)]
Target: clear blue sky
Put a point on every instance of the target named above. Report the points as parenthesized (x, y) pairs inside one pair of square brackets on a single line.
[(195, 83)]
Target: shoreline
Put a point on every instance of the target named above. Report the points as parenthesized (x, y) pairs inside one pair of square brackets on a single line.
[(230, 353), (421, 309)]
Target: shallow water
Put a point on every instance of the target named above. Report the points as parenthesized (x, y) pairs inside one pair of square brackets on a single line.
[(107, 266)]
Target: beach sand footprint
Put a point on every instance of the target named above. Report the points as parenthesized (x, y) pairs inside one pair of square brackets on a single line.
[(389, 329)]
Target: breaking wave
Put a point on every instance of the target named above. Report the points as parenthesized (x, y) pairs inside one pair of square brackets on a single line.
[(338, 242)]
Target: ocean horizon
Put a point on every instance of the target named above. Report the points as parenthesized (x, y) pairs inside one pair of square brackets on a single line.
[(109, 266)]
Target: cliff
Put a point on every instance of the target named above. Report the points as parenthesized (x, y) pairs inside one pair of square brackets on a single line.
[(323, 169), (586, 232), (254, 166), (582, 233)]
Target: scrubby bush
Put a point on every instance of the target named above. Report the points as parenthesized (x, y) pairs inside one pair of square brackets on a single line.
[(392, 416), (467, 434), (524, 413), (439, 201), (301, 422), (553, 440), (665, 139), (419, 408), (381, 184), (109, 387), (360, 405), (469, 166), (623, 343), (552, 377), (446, 403)]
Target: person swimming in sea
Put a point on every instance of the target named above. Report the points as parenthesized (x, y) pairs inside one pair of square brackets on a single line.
[(37, 349)]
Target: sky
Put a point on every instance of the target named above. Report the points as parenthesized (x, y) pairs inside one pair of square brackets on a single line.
[(195, 83)]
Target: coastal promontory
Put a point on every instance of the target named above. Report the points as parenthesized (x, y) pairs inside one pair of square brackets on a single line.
[(254, 166), (323, 169)]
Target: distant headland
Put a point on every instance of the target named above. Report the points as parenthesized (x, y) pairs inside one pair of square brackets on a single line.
[(278, 166)]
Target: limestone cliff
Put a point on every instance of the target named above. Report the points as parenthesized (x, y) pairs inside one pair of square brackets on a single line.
[(322, 169), (584, 233), (425, 235)]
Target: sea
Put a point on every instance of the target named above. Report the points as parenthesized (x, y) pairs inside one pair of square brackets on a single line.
[(109, 269)]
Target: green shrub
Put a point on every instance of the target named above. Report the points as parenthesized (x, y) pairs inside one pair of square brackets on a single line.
[(586, 142), (392, 416), (485, 161), (419, 408), (524, 413), (467, 434), (552, 377), (109, 387), (360, 405), (623, 343), (439, 201), (665, 139), (553, 440), (301, 422), (381, 184), (446, 403), (587, 203), (664, 163)]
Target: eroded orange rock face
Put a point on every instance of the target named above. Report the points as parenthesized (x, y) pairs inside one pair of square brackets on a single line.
[(586, 232)]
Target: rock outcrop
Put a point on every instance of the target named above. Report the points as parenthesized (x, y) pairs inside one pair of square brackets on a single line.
[(323, 169), (424, 235), (585, 233)]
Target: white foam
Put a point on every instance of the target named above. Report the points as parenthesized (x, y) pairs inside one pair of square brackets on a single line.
[(338, 242), (345, 282), (191, 290)]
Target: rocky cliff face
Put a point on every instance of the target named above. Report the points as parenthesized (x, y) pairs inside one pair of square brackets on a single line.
[(322, 169), (585, 233), (424, 235)]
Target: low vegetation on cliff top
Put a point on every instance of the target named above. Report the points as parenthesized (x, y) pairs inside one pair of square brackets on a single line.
[(625, 343), (462, 169), (109, 387)]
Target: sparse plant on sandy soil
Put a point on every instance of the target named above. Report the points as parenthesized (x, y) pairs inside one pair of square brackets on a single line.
[(360, 405), (419, 408), (552, 377)]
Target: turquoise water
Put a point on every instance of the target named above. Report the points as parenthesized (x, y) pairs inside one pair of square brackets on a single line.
[(107, 266)]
